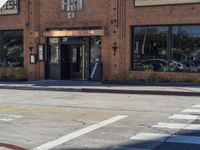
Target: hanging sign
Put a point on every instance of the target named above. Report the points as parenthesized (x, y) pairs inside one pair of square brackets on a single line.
[(9, 7), (163, 2)]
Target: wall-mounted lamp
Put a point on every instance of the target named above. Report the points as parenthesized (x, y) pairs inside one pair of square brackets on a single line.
[(114, 47), (31, 49)]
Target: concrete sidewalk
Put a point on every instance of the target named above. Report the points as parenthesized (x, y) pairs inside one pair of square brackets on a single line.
[(99, 87)]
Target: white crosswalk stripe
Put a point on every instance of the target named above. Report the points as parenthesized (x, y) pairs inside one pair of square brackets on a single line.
[(184, 117), (187, 116), (191, 111), (195, 127), (151, 137), (196, 106), (170, 125), (167, 138)]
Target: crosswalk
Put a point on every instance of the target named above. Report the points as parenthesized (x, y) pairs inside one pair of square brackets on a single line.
[(171, 135)]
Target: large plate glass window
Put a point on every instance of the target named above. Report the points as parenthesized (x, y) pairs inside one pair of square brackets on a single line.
[(12, 54), (186, 47), (150, 47), (166, 48)]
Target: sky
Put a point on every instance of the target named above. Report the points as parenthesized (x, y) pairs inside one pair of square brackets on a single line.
[(2, 2)]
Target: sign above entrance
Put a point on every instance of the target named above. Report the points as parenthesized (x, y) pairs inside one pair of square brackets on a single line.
[(64, 33), (163, 2), (71, 7), (9, 7)]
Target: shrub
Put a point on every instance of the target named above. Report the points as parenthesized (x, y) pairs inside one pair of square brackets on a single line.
[(183, 79), (19, 75), (197, 80), (15, 75), (3, 76), (151, 76), (10, 76)]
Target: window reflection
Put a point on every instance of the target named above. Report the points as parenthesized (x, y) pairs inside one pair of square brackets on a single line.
[(54, 50), (95, 52), (12, 49), (186, 47), (150, 47), (167, 48)]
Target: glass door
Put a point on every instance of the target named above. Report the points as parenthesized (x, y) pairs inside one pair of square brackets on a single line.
[(74, 62)]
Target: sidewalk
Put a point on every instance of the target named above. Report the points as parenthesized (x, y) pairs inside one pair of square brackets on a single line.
[(99, 87)]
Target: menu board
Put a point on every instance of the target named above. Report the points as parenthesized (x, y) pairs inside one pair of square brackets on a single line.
[(10, 7), (163, 2)]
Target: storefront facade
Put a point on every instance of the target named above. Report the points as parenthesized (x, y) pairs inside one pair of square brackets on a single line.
[(165, 39), (100, 40)]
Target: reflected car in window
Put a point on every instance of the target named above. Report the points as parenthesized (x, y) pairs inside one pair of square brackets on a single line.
[(163, 65)]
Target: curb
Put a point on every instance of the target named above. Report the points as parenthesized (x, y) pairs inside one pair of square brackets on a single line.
[(41, 89), (144, 92), (111, 91), (10, 146)]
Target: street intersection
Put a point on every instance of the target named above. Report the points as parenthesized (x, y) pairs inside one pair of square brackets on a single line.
[(42, 120)]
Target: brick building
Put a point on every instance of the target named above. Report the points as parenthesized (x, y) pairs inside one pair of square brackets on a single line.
[(100, 39)]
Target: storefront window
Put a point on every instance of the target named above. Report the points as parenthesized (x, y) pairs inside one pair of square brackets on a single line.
[(167, 48), (186, 48), (54, 50), (12, 54), (150, 47)]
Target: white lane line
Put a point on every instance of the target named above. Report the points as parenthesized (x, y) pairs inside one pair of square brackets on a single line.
[(127, 148), (184, 117), (167, 138), (9, 117), (184, 139), (196, 106), (151, 137), (78, 133), (195, 127), (191, 111)]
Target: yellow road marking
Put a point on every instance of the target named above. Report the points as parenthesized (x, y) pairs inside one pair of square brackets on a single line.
[(54, 111)]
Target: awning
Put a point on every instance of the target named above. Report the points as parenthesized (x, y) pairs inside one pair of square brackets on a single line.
[(2, 2), (64, 33)]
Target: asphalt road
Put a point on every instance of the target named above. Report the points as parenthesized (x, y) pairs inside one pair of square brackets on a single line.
[(42, 120)]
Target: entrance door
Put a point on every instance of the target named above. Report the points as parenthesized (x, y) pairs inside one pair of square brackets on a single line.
[(73, 62)]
